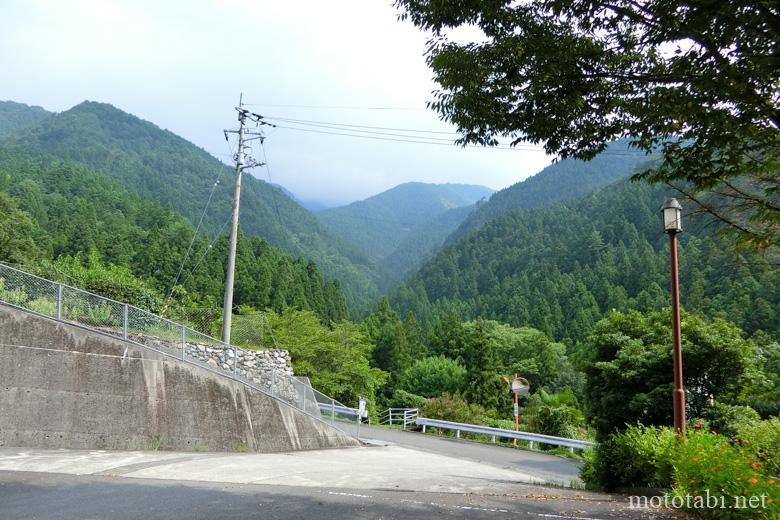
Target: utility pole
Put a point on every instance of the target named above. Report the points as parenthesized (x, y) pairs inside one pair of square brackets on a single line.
[(243, 162)]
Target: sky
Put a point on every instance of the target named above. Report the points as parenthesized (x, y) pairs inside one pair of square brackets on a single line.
[(183, 64)]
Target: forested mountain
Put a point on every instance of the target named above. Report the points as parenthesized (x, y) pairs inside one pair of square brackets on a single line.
[(413, 216), (420, 244), (52, 212), (564, 180), (561, 268), (18, 116), (161, 166)]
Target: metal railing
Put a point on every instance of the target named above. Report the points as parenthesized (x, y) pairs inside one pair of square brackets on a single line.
[(126, 322), (495, 433), (398, 416)]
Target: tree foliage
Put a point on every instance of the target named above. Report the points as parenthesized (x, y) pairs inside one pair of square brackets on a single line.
[(560, 269), (336, 359), (434, 376), (695, 80), (630, 369), (157, 165), (73, 225)]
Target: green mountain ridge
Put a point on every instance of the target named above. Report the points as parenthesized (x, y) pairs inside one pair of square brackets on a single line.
[(561, 268), (18, 116), (406, 222), (161, 166), (564, 180), (53, 212)]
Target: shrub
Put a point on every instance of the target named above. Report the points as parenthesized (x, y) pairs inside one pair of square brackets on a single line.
[(561, 421), (403, 399), (728, 419), (708, 465), (43, 306), (12, 296), (504, 424), (762, 439), (640, 456), (433, 376), (452, 408)]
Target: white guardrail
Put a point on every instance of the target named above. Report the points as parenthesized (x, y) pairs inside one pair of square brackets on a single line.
[(499, 432), (328, 408)]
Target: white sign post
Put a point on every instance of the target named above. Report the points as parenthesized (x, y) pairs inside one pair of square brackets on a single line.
[(361, 413)]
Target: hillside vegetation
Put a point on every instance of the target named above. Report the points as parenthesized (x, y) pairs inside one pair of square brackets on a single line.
[(565, 180), (67, 222), (406, 222), (18, 116), (159, 165), (560, 269)]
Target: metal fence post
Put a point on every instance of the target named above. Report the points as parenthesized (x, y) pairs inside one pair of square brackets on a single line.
[(333, 411), (273, 382), (235, 361), (59, 301), (183, 341), (125, 320)]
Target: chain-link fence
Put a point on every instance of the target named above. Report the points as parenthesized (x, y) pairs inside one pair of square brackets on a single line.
[(127, 322)]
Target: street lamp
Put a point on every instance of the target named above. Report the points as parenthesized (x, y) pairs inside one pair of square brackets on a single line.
[(672, 213)]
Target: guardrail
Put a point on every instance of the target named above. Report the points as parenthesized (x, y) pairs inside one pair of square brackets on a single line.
[(144, 329), (402, 416), (333, 409), (501, 433)]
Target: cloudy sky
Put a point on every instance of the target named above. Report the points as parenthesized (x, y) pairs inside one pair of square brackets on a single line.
[(182, 65)]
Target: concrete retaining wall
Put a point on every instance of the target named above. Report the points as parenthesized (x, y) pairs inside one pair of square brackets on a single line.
[(62, 386)]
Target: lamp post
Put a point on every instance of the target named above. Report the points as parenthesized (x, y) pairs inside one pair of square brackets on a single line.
[(672, 213)]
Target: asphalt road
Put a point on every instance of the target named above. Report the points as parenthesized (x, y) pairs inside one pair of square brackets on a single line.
[(550, 468), (47, 496), (412, 476)]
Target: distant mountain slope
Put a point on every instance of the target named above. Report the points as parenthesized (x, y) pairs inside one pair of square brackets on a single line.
[(561, 268), (400, 228), (565, 180), (379, 224), (421, 244), (162, 166), (18, 116)]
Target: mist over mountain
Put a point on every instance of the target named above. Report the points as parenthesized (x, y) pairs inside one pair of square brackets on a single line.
[(406, 222)]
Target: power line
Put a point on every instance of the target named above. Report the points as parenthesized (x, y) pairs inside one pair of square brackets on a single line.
[(208, 248), (401, 138), (305, 121), (334, 107), (363, 136), (373, 132), (192, 241)]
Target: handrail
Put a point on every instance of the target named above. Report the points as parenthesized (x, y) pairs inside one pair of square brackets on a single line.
[(500, 432), (340, 409), (404, 416)]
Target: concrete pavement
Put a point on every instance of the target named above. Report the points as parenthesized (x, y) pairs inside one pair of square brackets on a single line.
[(550, 468), (365, 482), (51, 496), (388, 467)]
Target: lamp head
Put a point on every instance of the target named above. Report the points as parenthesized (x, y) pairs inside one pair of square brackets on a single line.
[(672, 213)]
